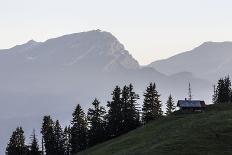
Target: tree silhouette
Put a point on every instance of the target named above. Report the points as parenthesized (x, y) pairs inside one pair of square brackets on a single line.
[(130, 111), (59, 139), (96, 118), (78, 130), (170, 105), (223, 91), (47, 132), (17, 146), (114, 117), (67, 140), (34, 146), (151, 104)]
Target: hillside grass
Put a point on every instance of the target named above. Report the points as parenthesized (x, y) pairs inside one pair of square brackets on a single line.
[(206, 133)]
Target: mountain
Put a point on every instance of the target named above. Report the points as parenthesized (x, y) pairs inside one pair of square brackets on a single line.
[(51, 77), (210, 61), (101, 49), (179, 134)]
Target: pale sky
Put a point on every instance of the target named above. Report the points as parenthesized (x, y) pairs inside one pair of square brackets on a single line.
[(149, 29)]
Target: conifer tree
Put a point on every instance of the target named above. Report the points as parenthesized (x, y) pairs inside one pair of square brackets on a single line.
[(78, 130), (58, 139), (47, 132), (151, 104), (130, 112), (34, 146), (170, 105), (227, 89), (16, 146), (67, 140), (96, 118), (220, 89), (223, 91), (215, 95), (114, 117), (133, 97)]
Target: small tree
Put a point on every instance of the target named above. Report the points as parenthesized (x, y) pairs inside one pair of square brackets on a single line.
[(78, 130), (16, 146), (34, 146), (151, 104), (170, 105), (96, 118)]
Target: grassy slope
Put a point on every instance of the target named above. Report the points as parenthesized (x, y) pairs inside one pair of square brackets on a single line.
[(208, 133)]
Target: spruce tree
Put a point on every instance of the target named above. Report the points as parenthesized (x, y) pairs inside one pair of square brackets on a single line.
[(17, 146), (67, 140), (47, 132), (133, 97), (96, 118), (170, 105), (215, 95), (223, 91), (34, 146), (78, 130), (58, 139), (220, 89), (227, 89), (114, 117), (151, 104), (130, 112)]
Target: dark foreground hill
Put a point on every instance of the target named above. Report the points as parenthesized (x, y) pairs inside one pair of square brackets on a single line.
[(207, 133)]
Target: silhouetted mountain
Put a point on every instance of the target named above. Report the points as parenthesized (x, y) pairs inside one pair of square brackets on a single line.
[(210, 61)]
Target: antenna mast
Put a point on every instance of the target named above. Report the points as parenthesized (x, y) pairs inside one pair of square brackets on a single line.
[(189, 92)]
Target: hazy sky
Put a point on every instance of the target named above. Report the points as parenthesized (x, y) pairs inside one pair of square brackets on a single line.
[(149, 29)]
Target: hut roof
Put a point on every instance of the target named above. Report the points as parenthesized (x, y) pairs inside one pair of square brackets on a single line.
[(191, 103)]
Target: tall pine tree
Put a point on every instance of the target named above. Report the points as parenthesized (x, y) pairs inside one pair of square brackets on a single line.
[(47, 132), (17, 146), (78, 130), (59, 139), (67, 140), (34, 146), (114, 117), (170, 105), (96, 118), (151, 104), (130, 112)]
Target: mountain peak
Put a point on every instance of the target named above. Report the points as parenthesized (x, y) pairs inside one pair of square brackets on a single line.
[(96, 49), (31, 42)]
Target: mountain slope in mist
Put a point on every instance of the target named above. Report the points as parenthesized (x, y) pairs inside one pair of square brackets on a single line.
[(210, 61)]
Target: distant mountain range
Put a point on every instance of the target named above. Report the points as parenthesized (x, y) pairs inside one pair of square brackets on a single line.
[(209, 61), (51, 77)]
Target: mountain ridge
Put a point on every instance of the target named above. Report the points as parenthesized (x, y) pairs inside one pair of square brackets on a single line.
[(210, 59)]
